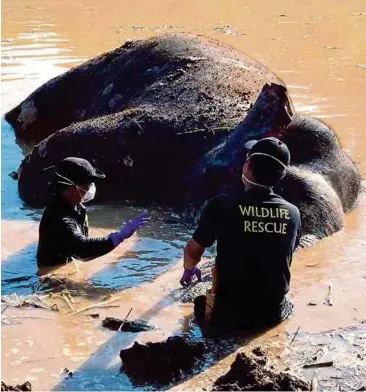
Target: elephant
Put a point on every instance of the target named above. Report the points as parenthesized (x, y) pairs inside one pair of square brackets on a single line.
[(166, 118)]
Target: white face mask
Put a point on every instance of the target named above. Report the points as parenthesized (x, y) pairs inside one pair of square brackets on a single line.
[(90, 193), (245, 180)]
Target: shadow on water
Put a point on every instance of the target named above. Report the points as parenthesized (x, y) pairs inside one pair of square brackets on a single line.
[(102, 371)]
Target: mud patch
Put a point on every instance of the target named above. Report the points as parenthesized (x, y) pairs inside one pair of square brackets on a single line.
[(337, 358), (161, 362), (127, 326), (256, 374), (21, 387)]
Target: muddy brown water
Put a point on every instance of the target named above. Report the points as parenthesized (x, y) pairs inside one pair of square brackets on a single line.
[(317, 48)]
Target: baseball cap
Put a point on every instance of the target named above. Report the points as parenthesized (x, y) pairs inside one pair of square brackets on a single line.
[(270, 147), (77, 171)]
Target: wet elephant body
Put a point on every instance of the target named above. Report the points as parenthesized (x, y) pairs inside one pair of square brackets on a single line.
[(163, 118)]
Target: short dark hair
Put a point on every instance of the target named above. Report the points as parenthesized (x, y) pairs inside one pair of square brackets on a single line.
[(266, 171)]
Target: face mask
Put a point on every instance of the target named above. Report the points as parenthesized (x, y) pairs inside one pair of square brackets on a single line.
[(244, 179), (90, 193)]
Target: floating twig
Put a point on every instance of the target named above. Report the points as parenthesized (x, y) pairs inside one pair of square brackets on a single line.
[(298, 329), (329, 300), (123, 322), (36, 317), (40, 359), (97, 305), (67, 300), (318, 364), (20, 305), (314, 384)]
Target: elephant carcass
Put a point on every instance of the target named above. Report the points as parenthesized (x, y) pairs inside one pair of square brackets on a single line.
[(143, 113)]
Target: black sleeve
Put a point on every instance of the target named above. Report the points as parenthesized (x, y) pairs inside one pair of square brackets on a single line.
[(298, 236), (206, 232), (76, 244)]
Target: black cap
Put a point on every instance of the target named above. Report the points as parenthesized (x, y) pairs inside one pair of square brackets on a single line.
[(271, 147), (77, 171)]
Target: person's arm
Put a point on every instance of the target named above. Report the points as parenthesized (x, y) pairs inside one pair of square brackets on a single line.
[(75, 244), (192, 254), (298, 235), (78, 245), (203, 237)]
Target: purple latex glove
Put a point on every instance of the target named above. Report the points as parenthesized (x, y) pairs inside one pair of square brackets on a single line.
[(129, 228), (188, 275)]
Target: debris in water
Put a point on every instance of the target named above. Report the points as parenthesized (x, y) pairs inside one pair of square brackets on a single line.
[(228, 30), (314, 384), (329, 299), (318, 364), (297, 331), (67, 373), (24, 300), (128, 326), (97, 305), (161, 362), (123, 323), (250, 374), (14, 175), (259, 352), (21, 387), (93, 315)]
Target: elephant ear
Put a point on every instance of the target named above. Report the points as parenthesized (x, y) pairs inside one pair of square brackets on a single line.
[(320, 207), (314, 146)]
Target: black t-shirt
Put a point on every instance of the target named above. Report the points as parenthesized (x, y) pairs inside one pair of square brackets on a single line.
[(257, 232), (64, 233)]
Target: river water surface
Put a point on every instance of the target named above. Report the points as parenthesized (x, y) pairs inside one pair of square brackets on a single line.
[(317, 47)]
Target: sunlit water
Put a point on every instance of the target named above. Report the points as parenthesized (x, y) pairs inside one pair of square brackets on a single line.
[(314, 49)]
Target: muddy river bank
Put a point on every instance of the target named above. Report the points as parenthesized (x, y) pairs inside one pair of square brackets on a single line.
[(318, 49)]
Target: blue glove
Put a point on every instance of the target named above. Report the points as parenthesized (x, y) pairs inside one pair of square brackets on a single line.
[(188, 275), (129, 228)]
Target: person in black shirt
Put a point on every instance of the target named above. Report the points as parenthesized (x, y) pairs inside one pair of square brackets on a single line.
[(257, 232), (64, 229)]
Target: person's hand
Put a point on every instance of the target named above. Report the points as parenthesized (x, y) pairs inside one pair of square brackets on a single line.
[(129, 228), (188, 275)]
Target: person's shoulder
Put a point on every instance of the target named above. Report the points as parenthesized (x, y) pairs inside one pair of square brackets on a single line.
[(295, 212), (55, 213), (287, 204), (218, 200)]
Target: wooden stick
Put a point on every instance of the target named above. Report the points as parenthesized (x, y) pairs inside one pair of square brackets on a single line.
[(318, 364), (123, 323), (71, 300), (20, 305), (66, 299), (108, 306), (96, 305), (40, 359), (314, 384), (330, 295), (37, 318), (298, 329)]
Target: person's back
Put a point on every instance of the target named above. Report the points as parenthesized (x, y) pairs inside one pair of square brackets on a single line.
[(257, 232)]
